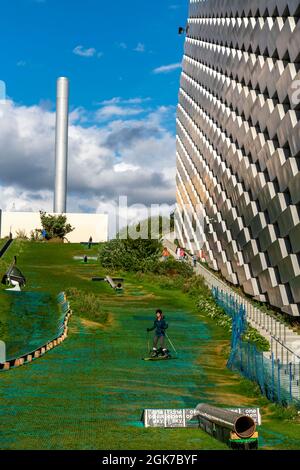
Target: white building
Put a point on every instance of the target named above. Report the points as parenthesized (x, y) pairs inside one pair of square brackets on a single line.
[(85, 225)]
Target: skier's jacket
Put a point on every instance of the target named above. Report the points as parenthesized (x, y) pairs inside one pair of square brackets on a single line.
[(159, 326)]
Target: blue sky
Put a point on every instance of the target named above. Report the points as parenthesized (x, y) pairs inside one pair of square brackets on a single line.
[(121, 42), (123, 58)]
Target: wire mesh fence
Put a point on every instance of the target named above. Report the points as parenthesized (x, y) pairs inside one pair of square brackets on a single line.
[(256, 317), (278, 378)]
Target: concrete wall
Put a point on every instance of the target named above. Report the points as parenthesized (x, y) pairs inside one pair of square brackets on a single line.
[(238, 144), (86, 225)]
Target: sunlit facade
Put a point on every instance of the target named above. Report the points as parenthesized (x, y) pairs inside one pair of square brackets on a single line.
[(238, 145)]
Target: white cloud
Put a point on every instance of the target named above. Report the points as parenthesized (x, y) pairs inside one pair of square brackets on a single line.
[(167, 68), (110, 111), (21, 63), (140, 47), (134, 157), (121, 101), (124, 167), (86, 52)]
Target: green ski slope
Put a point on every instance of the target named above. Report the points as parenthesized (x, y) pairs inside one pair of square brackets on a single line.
[(89, 393)]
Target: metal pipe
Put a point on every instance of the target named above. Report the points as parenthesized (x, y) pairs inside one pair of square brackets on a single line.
[(61, 145), (244, 426)]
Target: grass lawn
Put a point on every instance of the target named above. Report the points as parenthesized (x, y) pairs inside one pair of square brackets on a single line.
[(89, 393)]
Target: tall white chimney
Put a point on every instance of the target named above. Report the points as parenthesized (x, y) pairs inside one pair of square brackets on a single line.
[(61, 145)]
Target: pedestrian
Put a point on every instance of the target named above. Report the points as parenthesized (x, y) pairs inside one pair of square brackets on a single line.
[(195, 259), (90, 242), (44, 234), (160, 325), (165, 254)]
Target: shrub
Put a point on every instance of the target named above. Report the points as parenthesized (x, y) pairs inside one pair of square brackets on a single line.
[(172, 267), (195, 286), (21, 234), (208, 306), (287, 413), (86, 305), (56, 226), (130, 255)]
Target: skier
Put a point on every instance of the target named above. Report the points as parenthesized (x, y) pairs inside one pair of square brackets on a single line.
[(160, 325)]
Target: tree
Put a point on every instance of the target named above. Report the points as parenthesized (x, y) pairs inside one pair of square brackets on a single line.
[(56, 226)]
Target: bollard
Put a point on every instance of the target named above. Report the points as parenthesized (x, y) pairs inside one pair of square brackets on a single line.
[(37, 354), (29, 358)]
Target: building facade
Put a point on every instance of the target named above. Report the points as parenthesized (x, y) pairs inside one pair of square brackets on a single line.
[(85, 225), (238, 145)]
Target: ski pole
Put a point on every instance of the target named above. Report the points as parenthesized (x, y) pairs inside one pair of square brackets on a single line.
[(171, 343)]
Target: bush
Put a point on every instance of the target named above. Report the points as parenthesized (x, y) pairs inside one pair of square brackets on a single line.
[(254, 337), (130, 255), (287, 413), (208, 306), (195, 286), (21, 234), (56, 226), (171, 267), (86, 305)]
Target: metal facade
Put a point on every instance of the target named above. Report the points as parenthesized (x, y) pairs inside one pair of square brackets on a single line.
[(238, 144)]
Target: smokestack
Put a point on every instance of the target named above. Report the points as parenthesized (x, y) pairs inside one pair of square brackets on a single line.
[(61, 145)]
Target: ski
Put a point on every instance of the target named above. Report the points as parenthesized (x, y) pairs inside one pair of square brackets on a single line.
[(158, 358)]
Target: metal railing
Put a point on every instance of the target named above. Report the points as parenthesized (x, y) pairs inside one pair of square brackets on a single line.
[(266, 324)]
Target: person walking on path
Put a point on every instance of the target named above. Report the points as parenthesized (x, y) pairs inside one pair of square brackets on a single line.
[(90, 242), (160, 326), (165, 254), (195, 259), (182, 254)]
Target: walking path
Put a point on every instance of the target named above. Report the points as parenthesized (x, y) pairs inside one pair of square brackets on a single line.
[(284, 341)]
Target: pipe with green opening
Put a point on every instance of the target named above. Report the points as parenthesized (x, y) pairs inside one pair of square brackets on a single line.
[(244, 426)]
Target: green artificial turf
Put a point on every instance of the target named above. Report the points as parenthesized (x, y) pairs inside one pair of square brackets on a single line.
[(89, 393)]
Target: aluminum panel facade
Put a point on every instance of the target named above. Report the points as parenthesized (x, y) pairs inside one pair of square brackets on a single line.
[(238, 144)]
